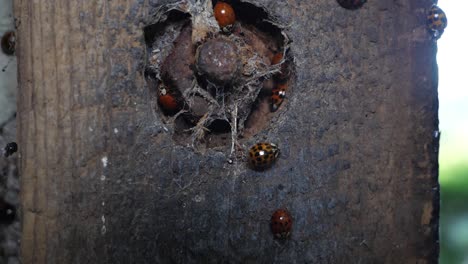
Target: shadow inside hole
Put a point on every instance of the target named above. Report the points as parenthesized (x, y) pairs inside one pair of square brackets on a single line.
[(219, 133), (219, 126), (175, 18)]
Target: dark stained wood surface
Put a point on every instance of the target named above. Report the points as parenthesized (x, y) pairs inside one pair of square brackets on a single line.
[(103, 182)]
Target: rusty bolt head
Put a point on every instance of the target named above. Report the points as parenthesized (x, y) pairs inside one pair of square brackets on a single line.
[(218, 60)]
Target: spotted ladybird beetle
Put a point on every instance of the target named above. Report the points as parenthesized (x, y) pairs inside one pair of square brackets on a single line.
[(168, 102), (351, 4), (436, 21), (281, 223), (277, 97), (9, 43), (263, 155), (224, 14)]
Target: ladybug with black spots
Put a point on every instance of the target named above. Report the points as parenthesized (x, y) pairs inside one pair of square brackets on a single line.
[(436, 21), (277, 96), (351, 4), (263, 155), (279, 92), (281, 223)]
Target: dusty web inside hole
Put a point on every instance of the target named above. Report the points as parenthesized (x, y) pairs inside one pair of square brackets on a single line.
[(210, 114)]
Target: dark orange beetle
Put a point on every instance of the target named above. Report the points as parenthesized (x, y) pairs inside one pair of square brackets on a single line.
[(224, 14), (281, 223), (277, 96), (168, 102)]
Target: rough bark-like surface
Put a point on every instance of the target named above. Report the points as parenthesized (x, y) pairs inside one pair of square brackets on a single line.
[(9, 182), (9, 198), (103, 182)]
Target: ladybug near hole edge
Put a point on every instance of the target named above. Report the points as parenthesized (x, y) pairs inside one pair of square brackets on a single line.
[(224, 14), (436, 21), (262, 155), (169, 102), (278, 94), (8, 43), (277, 97)]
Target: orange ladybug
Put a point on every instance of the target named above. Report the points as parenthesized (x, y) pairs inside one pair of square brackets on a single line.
[(281, 223), (279, 92), (224, 14), (262, 155), (277, 96), (168, 102)]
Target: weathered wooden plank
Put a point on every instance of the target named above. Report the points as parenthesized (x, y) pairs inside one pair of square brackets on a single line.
[(103, 181)]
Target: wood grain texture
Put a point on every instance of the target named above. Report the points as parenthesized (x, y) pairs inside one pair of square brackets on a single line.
[(103, 182)]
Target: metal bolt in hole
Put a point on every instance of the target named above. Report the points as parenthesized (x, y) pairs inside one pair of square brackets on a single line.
[(224, 78), (218, 60)]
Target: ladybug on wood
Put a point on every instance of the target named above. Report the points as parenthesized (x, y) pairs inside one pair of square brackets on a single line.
[(281, 223), (262, 155), (224, 14), (9, 43), (278, 95), (279, 92), (436, 21), (168, 102)]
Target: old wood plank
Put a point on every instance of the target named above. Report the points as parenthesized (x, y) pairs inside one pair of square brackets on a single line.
[(103, 182)]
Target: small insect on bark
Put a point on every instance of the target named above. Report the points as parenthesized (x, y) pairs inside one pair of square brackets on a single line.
[(281, 223), (9, 43), (10, 148), (263, 155), (224, 14), (436, 21)]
